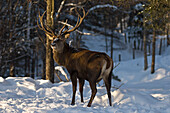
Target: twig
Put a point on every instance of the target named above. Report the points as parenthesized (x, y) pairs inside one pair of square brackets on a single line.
[(58, 76), (61, 69), (16, 58), (118, 87), (116, 65)]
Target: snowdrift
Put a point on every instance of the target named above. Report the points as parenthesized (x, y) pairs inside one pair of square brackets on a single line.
[(142, 92)]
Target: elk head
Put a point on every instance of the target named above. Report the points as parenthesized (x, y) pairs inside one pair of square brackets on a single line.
[(58, 40)]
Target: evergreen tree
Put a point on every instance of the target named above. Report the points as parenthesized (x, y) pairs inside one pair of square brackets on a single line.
[(156, 16)]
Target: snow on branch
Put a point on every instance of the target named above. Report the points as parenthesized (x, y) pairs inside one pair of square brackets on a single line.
[(59, 10), (103, 6), (82, 33), (63, 71), (76, 5)]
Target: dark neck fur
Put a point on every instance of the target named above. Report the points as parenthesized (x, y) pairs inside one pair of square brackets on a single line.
[(62, 58)]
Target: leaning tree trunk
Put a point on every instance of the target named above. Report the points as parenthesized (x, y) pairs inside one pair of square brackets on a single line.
[(49, 56), (153, 53)]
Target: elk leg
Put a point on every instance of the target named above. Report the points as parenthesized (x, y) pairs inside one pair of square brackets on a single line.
[(74, 85), (94, 91), (107, 81), (81, 84)]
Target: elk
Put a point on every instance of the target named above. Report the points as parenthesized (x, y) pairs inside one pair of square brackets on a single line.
[(82, 64)]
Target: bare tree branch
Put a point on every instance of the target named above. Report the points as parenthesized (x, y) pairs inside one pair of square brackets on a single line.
[(59, 10), (82, 33)]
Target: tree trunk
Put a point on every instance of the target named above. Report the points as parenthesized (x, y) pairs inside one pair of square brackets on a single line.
[(124, 22), (37, 66), (105, 34), (49, 56), (43, 70), (111, 45), (119, 57), (133, 53), (125, 38), (12, 69), (26, 66), (145, 49), (168, 39), (121, 24), (128, 39), (33, 65), (29, 20), (141, 45), (153, 53), (149, 48), (160, 48), (134, 44), (138, 44)]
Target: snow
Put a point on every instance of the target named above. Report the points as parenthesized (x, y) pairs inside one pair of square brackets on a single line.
[(97, 43), (103, 6), (142, 92)]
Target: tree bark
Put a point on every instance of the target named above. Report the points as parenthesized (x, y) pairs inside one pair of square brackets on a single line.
[(145, 48), (33, 66), (134, 44), (145, 53), (43, 70), (125, 38), (153, 53), (168, 39), (49, 56), (111, 43), (160, 48), (105, 34), (12, 69), (133, 53)]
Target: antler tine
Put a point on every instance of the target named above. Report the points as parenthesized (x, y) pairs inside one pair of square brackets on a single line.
[(63, 28), (79, 21), (43, 28), (38, 22), (75, 27), (84, 15), (81, 18)]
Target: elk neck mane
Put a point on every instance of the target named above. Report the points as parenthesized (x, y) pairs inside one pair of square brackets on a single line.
[(62, 58)]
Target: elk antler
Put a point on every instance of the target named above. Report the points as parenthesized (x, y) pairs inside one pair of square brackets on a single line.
[(47, 30), (79, 21), (50, 32)]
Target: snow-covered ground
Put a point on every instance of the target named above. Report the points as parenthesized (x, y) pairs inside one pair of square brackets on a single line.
[(142, 92)]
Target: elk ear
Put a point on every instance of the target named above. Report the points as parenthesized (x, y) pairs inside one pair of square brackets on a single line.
[(64, 37)]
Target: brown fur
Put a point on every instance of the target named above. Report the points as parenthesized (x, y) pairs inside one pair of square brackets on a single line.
[(85, 65)]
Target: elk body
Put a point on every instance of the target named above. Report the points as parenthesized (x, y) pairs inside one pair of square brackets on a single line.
[(82, 64)]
